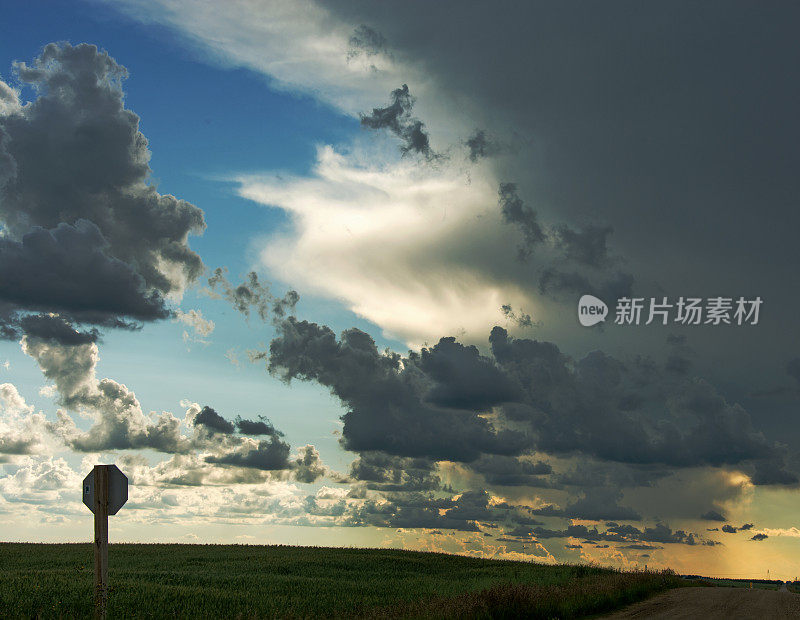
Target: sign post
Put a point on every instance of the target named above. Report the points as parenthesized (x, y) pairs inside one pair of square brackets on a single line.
[(105, 491), (100, 539)]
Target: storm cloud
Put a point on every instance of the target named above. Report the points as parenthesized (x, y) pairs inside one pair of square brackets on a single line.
[(262, 426), (211, 420), (86, 236), (614, 532), (656, 419), (67, 271), (272, 454), (386, 472), (387, 408), (511, 471)]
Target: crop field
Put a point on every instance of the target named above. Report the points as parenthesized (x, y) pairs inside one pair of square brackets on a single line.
[(280, 581), (746, 583)]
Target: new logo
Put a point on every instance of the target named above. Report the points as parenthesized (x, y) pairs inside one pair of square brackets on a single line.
[(591, 310)]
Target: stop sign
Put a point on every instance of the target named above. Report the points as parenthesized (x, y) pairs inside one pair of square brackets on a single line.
[(117, 489)]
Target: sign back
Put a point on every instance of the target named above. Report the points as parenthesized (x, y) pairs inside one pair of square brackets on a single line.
[(117, 489)]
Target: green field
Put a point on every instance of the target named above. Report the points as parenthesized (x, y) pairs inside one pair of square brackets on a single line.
[(762, 584), (279, 581), (745, 583)]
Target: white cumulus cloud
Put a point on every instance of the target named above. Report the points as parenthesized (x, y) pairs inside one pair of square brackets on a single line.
[(403, 245)]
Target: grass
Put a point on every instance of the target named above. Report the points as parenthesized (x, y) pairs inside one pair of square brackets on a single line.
[(747, 583), (762, 584), (246, 581)]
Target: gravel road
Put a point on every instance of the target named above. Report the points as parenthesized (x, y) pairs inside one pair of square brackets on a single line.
[(715, 603)]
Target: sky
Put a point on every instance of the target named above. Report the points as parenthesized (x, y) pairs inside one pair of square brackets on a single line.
[(513, 283)]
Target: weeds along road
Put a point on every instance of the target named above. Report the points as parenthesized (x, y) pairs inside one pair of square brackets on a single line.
[(715, 603)]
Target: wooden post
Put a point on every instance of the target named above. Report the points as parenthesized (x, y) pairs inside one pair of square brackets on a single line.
[(100, 540)]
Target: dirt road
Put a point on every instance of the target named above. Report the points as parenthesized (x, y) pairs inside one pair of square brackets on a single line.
[(715, 603)]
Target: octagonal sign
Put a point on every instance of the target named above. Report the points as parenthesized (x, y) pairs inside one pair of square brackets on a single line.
[(117, 489)]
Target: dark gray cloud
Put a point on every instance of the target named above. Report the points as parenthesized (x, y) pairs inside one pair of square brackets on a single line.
[(677, 364), (772, 469), (587, 246), (464, 513), (404, 414), (209, 419), (268, 455), (635, 117), (793, 368), (308, 465), (387, 408), (521, 319), (463, 378), (396, 117), (729, 529), (622, 118), (521, 531), (599, 504), (386, 472), (564, 284), (589, 473), (252, 295), (568, 262), (262, 426), (759, 537), (79, 155), (682, 423), (85, 236), (472, 506), (427, 517), (400, 418), (595, 504), (480, 145), (366, 42), (230, 450), (52, 328), (515, 211), (615, 532), (674, 124), (713, 515), (511, 471), (67, 271)]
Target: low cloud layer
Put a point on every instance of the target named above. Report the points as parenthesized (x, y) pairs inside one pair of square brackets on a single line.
[(388, 410), (120, 423), (434, 403)]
